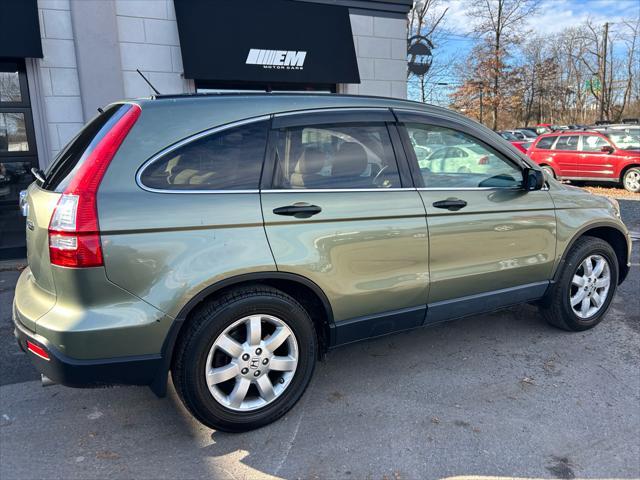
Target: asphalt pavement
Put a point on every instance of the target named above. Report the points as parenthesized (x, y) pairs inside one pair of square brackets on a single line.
[(501, 395)]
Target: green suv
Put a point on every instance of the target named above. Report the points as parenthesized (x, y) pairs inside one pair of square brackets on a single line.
[(233, 239)]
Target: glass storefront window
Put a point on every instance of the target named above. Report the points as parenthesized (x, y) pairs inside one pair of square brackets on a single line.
[(14, 176), (17, 155), (10, 87), (13, 133)]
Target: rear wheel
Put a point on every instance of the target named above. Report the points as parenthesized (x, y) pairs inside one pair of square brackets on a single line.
[(631, 180), (245, 359), (582, 294)]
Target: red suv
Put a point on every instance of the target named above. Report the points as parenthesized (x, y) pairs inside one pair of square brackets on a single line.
[(611, 156)]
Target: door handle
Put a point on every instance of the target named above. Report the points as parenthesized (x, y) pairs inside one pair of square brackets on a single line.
[(453, 204), (298, 210)]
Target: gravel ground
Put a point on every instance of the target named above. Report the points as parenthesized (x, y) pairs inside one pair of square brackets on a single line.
[(608, 191)]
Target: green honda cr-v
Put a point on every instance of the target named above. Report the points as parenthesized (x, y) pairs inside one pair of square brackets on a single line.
[(233, 239)]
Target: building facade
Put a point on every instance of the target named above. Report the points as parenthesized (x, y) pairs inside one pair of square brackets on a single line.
[(60, 60)]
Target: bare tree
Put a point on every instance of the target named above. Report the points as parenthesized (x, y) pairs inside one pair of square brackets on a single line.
[(565, 78), (630, 36), (500, 23)]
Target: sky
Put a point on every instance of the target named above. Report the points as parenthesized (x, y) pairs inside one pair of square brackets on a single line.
[(552, 17)]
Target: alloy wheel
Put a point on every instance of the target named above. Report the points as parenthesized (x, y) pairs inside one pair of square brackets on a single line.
[(589, 286), (632, 180), (251, 363)]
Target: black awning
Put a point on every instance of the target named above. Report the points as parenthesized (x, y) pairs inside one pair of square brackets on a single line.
[(277, 41), (19, 29)]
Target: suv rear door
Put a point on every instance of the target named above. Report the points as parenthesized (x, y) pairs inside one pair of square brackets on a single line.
[(566, 156), (491, 243), (339, 209)]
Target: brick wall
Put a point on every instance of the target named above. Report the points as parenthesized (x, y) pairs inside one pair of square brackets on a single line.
[(381, 49), (148, 36), (59, 74)]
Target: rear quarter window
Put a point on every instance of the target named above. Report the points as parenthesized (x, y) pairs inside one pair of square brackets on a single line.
[(227, 160), (545, 143)]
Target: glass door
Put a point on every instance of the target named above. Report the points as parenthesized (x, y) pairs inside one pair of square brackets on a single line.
[(17, 155)]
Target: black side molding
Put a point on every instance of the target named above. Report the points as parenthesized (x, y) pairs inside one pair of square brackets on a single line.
[(372, 326), (484, 302)]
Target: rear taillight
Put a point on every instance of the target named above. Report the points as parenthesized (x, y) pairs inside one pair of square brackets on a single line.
[(74, 235), (484, 160)]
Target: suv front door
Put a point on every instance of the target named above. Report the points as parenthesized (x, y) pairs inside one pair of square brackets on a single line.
[(491, 243), (339, 209), (593, 162)]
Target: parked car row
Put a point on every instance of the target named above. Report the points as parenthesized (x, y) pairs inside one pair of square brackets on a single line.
[(518, 139)]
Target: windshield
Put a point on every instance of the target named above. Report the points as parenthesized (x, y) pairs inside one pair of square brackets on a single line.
[(625, 139)]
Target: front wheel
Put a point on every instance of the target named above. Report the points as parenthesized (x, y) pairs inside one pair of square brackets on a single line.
[(585, 287), (631, 180), (245, 359)]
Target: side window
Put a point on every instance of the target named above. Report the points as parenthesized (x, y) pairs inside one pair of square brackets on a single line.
[(593, 143), (567, 142), (335, 156), (545, 143), (227, 160), (460, 161)]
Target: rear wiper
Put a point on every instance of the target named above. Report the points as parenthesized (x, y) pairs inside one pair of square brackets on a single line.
[(39, 174)]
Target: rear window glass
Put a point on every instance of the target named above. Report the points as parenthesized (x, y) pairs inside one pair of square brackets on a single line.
[(227, 160), (69, 160), (545, 143), (567, 142)]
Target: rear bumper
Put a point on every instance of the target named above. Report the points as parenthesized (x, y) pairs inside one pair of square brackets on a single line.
[(139, 370)]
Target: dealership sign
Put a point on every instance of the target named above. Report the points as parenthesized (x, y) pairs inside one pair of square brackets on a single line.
[(286, 59), (228, 41)]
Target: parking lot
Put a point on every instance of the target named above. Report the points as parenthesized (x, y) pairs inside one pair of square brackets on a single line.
[(500, 395)]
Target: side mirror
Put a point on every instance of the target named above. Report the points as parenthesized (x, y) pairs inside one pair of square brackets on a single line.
[(608, 149), (532, 179)]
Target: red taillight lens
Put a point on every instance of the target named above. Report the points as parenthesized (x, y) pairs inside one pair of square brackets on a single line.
[(74, 234), (37, 350), (484, 160), (75, 250)]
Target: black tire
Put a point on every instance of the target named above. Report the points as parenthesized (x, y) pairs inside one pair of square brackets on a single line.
[(556, 307), (204, 327), (629, 180)]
